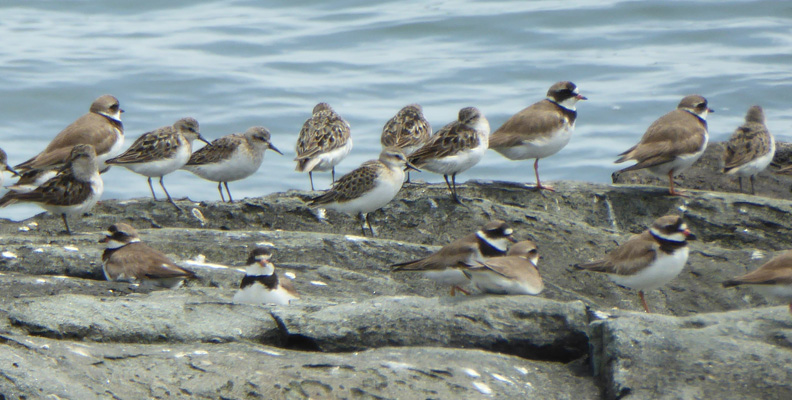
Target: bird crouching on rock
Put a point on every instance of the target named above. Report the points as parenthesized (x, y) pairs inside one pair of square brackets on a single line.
[(126, 258), (448, 265)]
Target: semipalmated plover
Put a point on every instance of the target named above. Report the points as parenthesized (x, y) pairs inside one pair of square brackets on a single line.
[(368, 188), (408, 130), (73, 191), (650, 259), (231, 158), (261, 283), (323, 142), (160, 152), (447, 266), (128, 259), (455, 147), (750, 149), (4, 166), (514, 273), (773, 278), (101, 128), (672, 143), (540, 130)]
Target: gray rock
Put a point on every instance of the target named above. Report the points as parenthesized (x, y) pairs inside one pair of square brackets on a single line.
[(35, 367), (737, 355), (355, 311)]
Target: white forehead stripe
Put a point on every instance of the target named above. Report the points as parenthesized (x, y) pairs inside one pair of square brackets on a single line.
[(508, 231)]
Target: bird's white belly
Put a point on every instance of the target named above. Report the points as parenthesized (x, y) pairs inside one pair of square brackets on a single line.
[(680, 163), (756, 165), (114, 150), (384, 191), (97, 187), (259, 294), (326, 161), (458, 162), (781, 292), (448, 276), (540, 148), (236, 167), (490, 282), (665, 268), (164, 166)]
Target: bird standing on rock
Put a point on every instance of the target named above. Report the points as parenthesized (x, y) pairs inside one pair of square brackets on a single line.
[(456, 147), (73, 191), (540, 130), (650, 259), (750, 149), (672, 143)]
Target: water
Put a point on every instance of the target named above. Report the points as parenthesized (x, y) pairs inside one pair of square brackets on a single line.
[(235, 64)]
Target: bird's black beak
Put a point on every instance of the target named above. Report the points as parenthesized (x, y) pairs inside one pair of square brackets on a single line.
[(273, 148), (409, 165)]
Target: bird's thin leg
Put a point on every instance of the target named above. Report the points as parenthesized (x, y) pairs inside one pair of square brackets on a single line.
[(371, 229), (333, 174), (454, 191), (168, 194), (643, 301), (739, 179), (220, 189), (538, 182), (671, 185), (230, 200), (752, 184), (152, 189), (66, 223), (310, 176)]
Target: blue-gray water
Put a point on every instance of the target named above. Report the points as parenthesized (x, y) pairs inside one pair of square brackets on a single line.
[(234, 64)]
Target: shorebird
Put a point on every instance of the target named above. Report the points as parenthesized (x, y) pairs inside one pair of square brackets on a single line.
[(101, 128), (456, 147), (750, 149), (324, 141), (72, 191), (540, 130), (648, 260), (773, 278), (672, 143), (4, 166), (368, 188), (408, 130), (160, 152), (514, 273), (128, 259), (449, 264), (231, 158), (261, 283)]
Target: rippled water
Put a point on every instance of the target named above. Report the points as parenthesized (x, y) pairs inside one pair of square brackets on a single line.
[(234, 64)]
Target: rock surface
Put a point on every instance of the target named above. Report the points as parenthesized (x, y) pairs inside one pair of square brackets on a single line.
[(360, 331)]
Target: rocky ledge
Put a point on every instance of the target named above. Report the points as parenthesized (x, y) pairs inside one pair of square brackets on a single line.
[(362, 332)]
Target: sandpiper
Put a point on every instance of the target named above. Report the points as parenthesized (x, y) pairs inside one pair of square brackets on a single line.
[(750, 149), (323, 142), (72, 191), (408, 130), (231, 158), (456, 147), (368, 188), (160, 152)]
